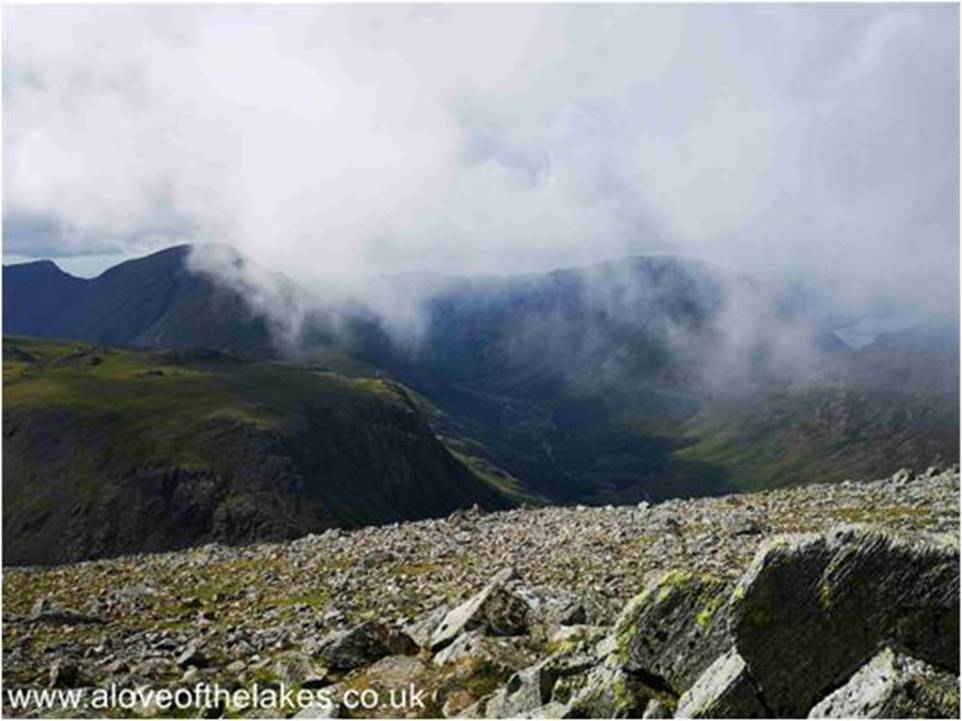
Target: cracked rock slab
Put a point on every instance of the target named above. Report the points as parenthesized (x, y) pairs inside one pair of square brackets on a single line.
[(811, 609)]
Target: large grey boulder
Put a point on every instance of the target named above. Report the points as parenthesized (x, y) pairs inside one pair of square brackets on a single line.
[(363, 645), (674, 629), (495, 609), (724, 690), (811, 609), (892, 685)]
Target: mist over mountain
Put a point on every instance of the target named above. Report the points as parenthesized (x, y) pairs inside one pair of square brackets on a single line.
[(646, 378)]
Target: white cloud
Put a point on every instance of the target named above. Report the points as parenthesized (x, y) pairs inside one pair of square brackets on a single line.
[(812, 139)]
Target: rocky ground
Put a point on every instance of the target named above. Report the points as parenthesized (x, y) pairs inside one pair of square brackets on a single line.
[(554, 612)]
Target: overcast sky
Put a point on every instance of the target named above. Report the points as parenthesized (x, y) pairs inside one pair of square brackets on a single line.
[(815, 140)]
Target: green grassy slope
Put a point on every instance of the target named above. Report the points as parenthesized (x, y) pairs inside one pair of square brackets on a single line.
[(112, 451)]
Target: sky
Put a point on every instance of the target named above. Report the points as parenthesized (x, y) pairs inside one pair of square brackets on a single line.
[(818, 142)]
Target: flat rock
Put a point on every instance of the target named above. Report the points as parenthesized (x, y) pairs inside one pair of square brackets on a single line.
[(811, 609)]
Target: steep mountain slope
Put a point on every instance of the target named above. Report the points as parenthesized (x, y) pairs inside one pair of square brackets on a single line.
[(155, 301), (109, 451)]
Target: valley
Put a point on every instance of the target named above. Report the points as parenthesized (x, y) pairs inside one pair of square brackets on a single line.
[(179, 414)]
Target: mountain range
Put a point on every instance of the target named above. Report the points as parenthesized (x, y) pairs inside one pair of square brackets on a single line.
[(157, 406)]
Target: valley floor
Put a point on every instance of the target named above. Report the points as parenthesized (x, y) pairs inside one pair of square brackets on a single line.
[(239, 615)]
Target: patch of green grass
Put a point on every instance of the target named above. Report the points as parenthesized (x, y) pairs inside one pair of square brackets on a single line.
[(415, 569), (154, 408)]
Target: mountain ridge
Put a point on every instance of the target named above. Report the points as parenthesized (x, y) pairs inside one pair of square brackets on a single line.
[(614, 383)]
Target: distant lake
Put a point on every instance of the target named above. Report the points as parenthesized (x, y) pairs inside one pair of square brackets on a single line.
[(867, 330)]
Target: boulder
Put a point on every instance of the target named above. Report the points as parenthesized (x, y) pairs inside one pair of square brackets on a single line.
[(525, 691), (362, 645), (551, 607), (674, 629), (191, 656), (495, 609), (607, 691), (892, 685), (45, 610), (297, 669), (724, 690), (395, 672), (500, 653), (812, 609), (552, 680)]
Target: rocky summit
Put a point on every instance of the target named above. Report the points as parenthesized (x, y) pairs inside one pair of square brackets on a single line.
[(837, 600)]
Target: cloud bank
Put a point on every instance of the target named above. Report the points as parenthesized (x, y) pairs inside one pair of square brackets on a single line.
[(814, 142)]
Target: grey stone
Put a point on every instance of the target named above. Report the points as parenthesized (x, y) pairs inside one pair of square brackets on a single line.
[(423, 628), (525, 691), (535, 686), (191, 656), (494, 608), (502, 654), (298, 669), (724, 690), (45, 610), (551, 607), (608, 691), (235, 668), (812, 609), (358, 646), (396, 671), (892, 685), (674, 629)]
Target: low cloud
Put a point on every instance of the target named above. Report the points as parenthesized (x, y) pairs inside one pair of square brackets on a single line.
[(813, 143)]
